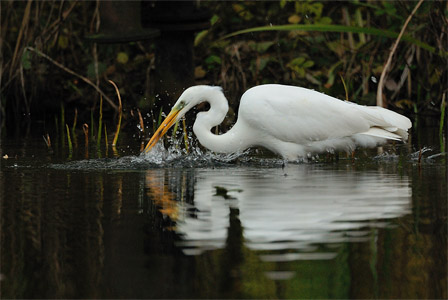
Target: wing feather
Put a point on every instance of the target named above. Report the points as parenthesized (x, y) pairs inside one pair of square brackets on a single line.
[(298, 115)]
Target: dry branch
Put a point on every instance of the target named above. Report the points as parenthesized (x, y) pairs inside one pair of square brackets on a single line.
[(379, 94), (85, 79)]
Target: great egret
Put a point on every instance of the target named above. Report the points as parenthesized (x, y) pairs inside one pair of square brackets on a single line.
[(290, 121)]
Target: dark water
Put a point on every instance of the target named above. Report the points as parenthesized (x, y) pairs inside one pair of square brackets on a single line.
[(202, 226)]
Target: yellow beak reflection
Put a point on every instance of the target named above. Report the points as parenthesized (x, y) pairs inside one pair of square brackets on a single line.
[(163, 128)]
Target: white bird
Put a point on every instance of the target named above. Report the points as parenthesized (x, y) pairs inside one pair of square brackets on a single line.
[(290, 121)]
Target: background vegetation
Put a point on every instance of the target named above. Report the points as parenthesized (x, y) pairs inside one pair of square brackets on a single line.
[(36, 34)]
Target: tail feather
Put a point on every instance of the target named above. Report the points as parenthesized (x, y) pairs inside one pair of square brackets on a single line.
[(382, 133), (386, 123)]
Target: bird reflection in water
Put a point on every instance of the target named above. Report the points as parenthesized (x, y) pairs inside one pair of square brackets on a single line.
[(310, 206)]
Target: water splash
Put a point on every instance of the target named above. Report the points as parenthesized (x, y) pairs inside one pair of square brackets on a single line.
[(158, 157), (197, 157)]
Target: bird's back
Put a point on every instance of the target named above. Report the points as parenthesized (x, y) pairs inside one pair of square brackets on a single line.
[(286, 114)]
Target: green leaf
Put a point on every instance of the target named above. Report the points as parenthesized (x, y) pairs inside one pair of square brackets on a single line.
[(214, 19), (282, 3), (308, 64), (63, 41), (261, 47), (338, 28), (213, 59), (377, 9), (122, 57), (297, 61), (324, 21), (91, 69), (242, 11), (26, 62), (199, 37), (263, 62)]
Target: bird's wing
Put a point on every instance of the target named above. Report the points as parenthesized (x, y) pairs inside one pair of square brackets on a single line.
[(299, 115)]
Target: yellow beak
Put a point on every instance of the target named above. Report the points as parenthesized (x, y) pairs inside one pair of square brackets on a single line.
[(163, 128)]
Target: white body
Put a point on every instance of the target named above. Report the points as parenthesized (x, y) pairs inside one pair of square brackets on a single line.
[(291, 121)]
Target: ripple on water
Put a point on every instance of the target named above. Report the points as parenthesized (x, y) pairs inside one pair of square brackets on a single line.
[(157, 158)]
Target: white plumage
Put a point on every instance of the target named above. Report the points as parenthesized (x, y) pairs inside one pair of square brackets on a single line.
[(290, 121)]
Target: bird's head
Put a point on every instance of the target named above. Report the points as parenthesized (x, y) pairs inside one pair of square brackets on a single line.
[(189, 98)]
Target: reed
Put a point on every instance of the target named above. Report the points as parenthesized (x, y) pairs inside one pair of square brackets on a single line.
[(442, 120), (69, 140), (47, 141), (105, 139), (120, 114), (74, 121), (142, 130), (184, 133), (159, 120), (345, 87), (176, 125), (185, 136), (62, 123), (142, 125), (85, 129), (92, 124), (100, 124), (56, 125), (337, 28), (420, 155)]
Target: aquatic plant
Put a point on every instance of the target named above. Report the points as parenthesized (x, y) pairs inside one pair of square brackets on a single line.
[(100, 124), (75, 119), (120, 114), (441, 123), (85, 129), (69, 140)]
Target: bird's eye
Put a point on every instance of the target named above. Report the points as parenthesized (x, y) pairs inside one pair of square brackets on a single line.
[(181, 104)]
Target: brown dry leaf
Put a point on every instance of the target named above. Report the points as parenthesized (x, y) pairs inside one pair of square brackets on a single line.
[(199, 72), (294, 19)]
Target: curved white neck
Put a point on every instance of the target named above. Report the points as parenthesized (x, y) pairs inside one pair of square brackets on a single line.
[(229, 142)]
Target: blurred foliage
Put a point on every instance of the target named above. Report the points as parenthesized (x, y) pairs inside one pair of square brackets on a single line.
[(314, 59), (32, 87)]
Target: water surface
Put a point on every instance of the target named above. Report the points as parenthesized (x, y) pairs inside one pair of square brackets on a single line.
[(207, 226)]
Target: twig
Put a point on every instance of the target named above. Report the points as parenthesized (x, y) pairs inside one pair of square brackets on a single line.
[(54, 27), (86, 80), (379, 94), (25, 20)]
